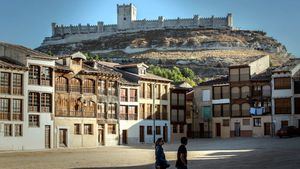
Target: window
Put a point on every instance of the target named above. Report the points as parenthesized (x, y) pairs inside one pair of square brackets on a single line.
[(123, 95), (101, 110), (102, 87), (111, 111), (46, 76), (297, 87), (181, 115), (157, 91), (181, 128), (226, 122), (88, 86), (235, 93), (174, 117), (4, 109), (111, 129), (34, 102), (77, 130), (174, 98), (181, 99), (7, 130), (235, 108), (34, 74), (142, 111), (245, 109), (142, 90), (18, 130), (4, 82), (17, 84), (283, 106), (17, 109), (217, 110), (112, 88), (257, 122), (234, 75), (132, 112), (164, 112), (158, 132), (164, 92), (46, 100), (217, 92), (90, 109), (174, 128), (149, 130), (244, 74), (206, 110), (123, 113), (149, 111), (88, 129), (225, 92), (157, 112), (133, 95), (149, 91), (34, 121), (297, 105), (226, 110), (205, 95), (245, 92), (61, 84), (282, 83), (266, 91), (246, 122), (75, 85)]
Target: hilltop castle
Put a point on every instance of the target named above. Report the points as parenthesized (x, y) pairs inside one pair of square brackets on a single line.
[(127, 21)]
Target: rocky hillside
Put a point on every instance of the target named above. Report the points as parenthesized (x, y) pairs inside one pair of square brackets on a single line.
[(207, 51)]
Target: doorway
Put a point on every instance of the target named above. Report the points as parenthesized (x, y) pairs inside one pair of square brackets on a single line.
[(237, 129), (201, 125), (47, 136), (63, 138), (142, 134), (218, 129), (100, 136), (124, 137), (267, 129), (165, 133)]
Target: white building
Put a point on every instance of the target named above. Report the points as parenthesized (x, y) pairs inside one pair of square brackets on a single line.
[(28, 101), (285, 94)]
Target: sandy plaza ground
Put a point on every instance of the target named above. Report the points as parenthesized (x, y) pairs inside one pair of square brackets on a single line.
[(202, 153)]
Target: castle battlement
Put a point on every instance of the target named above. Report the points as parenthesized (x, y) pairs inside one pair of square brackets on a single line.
[(126, 21)]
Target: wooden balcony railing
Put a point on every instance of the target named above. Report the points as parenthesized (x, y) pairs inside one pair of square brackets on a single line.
[(46, 82), (89, 114), (46, 109), (33, 81), (33, 108), (111, 116), (75, 89), (133, 99), (4, 89), (124, 98), (132, 116), (63, 88), (17, 91), (123, 116), (101, 115), (4, 116), (62, 112), (88, 90), (17, 116)]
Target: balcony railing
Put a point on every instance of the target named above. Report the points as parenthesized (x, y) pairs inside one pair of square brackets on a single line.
[(61, 88), (17, 91), (111, 116), (33, 108), (46, 82), (88, 90), (46, 109), (124, 98), (132, 116), (75, 89), (76, 113), (4, 116), (4, 89), (101, 115), (89, 114), (133, 99), (34, 81), (17, 116), (62, 112), (123, 116)]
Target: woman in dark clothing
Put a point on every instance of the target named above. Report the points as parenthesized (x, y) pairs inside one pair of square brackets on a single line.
[(181, 162), (160, 158)]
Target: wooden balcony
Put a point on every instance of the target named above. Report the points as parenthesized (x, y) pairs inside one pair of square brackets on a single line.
[(17, 90), (88, 90), (62, 88), (33, 81), (4, 116), (5, 89), (111, 116), (33, 108), (17, 116), (46, 82), (101, 115), (89, 114), (62, 112), (133, 99), (46, 109), (132, 116)]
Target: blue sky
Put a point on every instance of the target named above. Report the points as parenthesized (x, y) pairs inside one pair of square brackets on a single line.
[(27, 22)]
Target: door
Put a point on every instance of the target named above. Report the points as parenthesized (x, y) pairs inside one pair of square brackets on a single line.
[(189, 130), (142, 134), (165, 133), (124, 137), (100, 136), (62, 137), (201, 125), (237, 129), (47, 136), (284, 123), (218, 129), (267, 129)]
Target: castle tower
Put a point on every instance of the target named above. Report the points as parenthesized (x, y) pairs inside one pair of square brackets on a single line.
[(126, 14)]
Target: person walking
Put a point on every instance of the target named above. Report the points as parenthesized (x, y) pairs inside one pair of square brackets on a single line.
[(160, 158), (181, 162)]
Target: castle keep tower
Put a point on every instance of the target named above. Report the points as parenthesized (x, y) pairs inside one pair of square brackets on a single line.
[(126, 14)]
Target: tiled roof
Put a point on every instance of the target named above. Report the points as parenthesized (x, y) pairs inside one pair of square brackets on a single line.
[(215, 81), (11, 64), (289, 65), (28, 51)]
